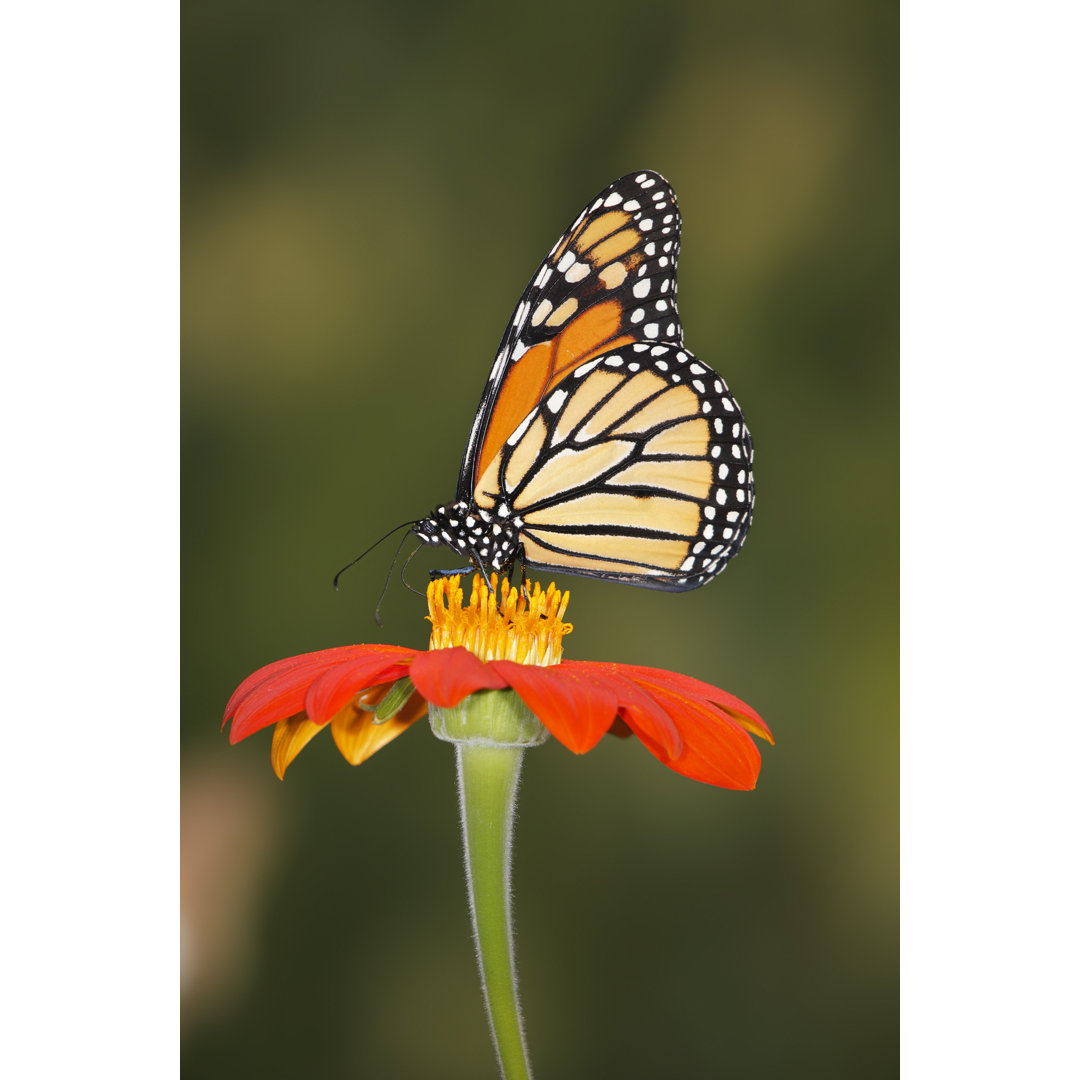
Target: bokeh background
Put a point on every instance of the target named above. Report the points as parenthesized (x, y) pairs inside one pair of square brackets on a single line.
[(366, 189)]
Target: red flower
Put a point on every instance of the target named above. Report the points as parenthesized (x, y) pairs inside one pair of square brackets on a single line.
[(369, 694)]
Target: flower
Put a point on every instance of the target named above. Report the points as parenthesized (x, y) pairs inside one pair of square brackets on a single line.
[(503, 640), (494, 682)]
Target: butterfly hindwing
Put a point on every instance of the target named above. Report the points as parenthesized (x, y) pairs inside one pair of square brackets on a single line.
[(608, 282), (636, 468)]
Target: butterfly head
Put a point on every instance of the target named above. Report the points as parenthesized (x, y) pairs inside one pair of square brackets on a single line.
[(448, 524)]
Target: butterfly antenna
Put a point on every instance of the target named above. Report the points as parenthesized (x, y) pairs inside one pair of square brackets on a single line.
[(406, 567), (371, 549), (386, 583)]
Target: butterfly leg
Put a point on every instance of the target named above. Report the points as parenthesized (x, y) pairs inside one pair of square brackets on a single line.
[(480, 566), (434, 574)]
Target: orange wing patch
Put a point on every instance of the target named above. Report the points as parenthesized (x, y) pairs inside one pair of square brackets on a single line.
[(544, 366), (598, 228)]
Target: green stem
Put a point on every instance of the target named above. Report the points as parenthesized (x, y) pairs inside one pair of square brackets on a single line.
[(490, 730), (487, 787)]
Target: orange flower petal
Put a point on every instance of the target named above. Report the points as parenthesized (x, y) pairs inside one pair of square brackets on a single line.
[(716, 750), (291, 735), (358, 736), (335, 687), (576, 705), (445, 676), (644, 714), (281, 687), (738, 710), (279, 667), (630, 699), (634, 703)]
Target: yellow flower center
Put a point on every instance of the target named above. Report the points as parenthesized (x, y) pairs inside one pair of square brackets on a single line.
[(499, 623)]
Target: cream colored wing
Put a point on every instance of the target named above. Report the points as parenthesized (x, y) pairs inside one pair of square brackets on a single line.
[(636, 468)]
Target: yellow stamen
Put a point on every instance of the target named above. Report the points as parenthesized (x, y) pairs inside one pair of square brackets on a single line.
[(499, 623)]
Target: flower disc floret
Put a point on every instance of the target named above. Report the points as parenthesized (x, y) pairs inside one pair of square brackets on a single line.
[(500, 622)]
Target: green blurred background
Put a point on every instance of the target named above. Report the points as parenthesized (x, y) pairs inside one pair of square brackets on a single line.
[(366, 189)]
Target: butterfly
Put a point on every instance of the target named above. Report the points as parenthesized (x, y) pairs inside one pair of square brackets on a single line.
[(602, 446)]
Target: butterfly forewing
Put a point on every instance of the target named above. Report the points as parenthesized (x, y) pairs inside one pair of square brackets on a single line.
[(637, 468), (607, 283)]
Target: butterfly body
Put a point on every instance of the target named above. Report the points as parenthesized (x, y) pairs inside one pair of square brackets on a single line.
[(481, 535), (602, 446)]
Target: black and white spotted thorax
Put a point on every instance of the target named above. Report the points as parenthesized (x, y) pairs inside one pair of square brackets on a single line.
[(492, 536)]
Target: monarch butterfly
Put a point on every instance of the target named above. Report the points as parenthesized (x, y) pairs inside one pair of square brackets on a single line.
[(601, 446)]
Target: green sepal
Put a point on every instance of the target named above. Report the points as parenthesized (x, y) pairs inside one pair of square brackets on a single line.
[(394, 701), (488, 718)]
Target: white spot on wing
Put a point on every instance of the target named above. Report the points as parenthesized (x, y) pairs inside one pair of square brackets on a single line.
[(519, 431), (581, 372)]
